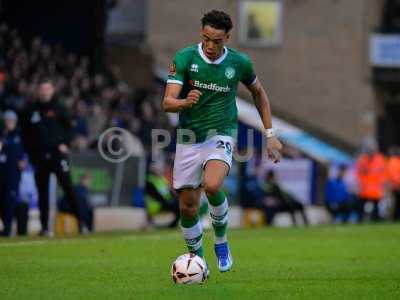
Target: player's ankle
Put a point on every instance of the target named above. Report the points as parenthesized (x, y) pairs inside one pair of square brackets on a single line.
[(199, 252), (220, 240)]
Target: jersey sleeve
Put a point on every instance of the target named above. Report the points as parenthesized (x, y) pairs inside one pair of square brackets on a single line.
[(177, 69), (248, 75)]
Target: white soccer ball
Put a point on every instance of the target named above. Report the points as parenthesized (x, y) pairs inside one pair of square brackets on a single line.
[(189, 269)]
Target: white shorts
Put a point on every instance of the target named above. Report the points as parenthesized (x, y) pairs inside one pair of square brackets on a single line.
[(190, 159)]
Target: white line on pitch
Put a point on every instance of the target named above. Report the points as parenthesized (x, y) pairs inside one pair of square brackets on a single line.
[(72, 240)]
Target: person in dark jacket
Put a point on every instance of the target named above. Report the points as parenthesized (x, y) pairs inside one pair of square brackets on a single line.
[(278, 200), (11, 164), (85, 208), (251, 192), (46, 131)]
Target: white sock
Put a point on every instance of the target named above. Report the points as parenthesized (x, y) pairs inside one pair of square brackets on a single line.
[(219, 218), (193, 236)]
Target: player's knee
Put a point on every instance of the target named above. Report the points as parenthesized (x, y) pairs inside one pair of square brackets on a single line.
[(211, 188), (188, 211)]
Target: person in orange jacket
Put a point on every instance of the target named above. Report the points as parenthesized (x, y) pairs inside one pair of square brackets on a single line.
[(372, 176), (394, 179)]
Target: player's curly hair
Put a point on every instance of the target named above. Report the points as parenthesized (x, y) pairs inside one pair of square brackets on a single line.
[(217, 19)]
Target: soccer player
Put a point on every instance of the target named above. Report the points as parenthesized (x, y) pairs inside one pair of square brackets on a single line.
[(201, 87)]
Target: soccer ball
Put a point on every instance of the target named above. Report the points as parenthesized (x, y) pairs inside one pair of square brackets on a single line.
[(189, 269)]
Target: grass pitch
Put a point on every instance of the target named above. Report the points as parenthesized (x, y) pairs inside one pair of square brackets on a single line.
[(335, 262)]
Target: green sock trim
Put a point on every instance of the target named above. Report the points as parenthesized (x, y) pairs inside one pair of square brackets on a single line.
[(191, 244), (218, 199), (189, 222), (203, 209), (220, 230), (199, 252)]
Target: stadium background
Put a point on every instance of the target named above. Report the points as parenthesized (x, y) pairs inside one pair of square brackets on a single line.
[(328, 96), (331, 69)]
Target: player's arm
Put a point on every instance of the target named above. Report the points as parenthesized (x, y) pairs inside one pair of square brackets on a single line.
[(176, 78), (249, 79), (261, 101), (171, 102)]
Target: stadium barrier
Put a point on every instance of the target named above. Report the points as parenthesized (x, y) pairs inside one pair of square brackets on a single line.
[(113, 184)]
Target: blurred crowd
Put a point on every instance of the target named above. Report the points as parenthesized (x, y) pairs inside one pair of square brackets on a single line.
[(368, 190), (52, 101), (96, 100)]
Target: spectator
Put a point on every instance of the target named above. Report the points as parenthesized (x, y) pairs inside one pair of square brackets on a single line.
[(159, 196), (350, 179), (251, 192), (11, 164), (46, 129), (147, 124), (27, 196), (277, 200), (81, 131), (96, 123), (337, 198), (3, 92), (372, 176), (85, 207), (394, 178), (18, 100)]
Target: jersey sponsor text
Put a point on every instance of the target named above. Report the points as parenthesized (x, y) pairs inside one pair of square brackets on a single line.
[(211, 86)]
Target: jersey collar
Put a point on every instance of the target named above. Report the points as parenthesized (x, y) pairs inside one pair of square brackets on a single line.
[(207, 60)]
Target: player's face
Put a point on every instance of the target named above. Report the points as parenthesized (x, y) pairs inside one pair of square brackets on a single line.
[(213, 41), (46, 92)]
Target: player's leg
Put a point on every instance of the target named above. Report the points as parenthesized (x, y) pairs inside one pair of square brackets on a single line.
[(213, 178), (187, 180), (192, 229), (214, 174), (216, 166)]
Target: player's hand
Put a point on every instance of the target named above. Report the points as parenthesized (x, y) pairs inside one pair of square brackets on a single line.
[(274, 149), (192, 98)]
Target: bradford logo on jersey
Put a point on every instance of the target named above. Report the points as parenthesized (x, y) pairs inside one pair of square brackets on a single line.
[(172, 69), (210, 86), (230, 72)]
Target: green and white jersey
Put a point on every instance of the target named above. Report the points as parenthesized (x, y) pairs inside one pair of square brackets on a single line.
[(216, 111)]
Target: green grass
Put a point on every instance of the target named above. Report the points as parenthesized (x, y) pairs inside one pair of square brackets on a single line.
[(347, 262)]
